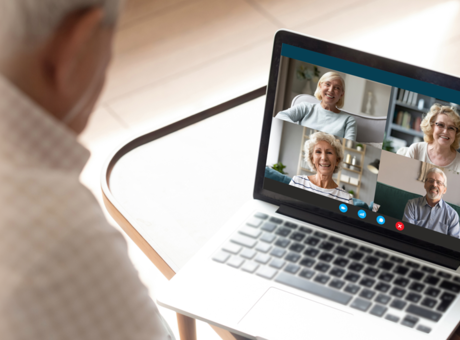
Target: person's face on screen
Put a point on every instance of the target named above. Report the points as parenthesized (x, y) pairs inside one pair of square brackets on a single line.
[(331, 91), (444, 130), (324, 158), (435, 186)]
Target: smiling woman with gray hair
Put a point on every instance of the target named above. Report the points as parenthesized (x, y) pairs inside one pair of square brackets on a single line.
[(323, 154), (325, 116)]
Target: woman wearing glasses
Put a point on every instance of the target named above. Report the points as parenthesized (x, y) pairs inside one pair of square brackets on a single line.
[(441, 128)]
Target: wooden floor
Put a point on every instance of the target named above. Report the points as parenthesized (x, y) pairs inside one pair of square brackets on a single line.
[(174, 58)]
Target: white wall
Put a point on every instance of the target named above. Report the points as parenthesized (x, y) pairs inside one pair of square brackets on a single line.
[(402, 172)]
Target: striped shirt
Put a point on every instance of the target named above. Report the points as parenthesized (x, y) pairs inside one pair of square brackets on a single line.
[(441, 218), (338, 193)]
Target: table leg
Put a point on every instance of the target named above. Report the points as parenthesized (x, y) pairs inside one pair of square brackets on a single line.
[(187, 327)]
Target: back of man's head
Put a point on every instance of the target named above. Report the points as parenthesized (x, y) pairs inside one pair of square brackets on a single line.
[(26, 23)]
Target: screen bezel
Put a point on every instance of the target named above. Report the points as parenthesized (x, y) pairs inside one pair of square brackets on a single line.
[(432, 252)]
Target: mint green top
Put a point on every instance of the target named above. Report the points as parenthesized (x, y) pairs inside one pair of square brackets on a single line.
[(315, 117)]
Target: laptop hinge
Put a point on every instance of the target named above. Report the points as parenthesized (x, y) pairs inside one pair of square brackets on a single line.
[(364, 234)]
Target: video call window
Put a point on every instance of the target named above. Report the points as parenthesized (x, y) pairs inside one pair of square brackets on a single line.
[(367, 144)]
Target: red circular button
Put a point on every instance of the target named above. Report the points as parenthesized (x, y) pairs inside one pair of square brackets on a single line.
[(399, 226)]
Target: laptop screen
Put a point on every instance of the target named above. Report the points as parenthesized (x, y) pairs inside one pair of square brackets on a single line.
[(369, 143)]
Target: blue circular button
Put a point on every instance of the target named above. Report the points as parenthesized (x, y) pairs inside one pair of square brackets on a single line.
[(343, 208), (362, 213), (380, 220)]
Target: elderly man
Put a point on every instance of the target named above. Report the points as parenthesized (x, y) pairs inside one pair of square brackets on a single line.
[(65, 272), (431, 211)]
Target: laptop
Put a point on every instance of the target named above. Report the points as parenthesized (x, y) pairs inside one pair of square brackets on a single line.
[(340, 240)]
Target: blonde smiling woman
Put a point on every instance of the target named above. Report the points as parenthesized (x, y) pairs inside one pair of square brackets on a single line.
[(441, 128)]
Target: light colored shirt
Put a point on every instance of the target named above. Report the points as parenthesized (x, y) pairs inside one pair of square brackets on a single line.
[(65, 272), (315, 117), (338, 193), (441, 218), (419, 151)]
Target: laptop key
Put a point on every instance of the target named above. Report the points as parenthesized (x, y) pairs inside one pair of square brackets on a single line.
[(335, 239), (412, 264), (351, 244), (401, 270), (243, 240), (283, 231), (292, 257), (391, 317), (307, 262), (446, 301), (366, 249), (396, 259), (352, 289), (336, 283), (254, 222), (356, 267), (282, 242), (277, 263), (267, 237), (428, 270), (313, 288), (337, 272), (325, 245), (249, 266), (341, 262), (413, 297), (433, 292), (381, 254), (378, 310), (424, 313), (444, 275), (398, 292), (457, 278), (297, 236), (278, 252), (322, 267), (339, 250), (383, 299), (356, 255), (290, 225), (386, 265), (232, 248), (427, 302), (307, 273), (423, 329), (320, 234), (261, 216), (369, 271), (360, 304), (248, 253), (418, 287), (292, 268), (453, 287), (409, 321), (276, 220), (321, 278), (367, 294), (263, 247), (416, 275), (371, 260), (266, 272), (297, 247), (398, 304), (432, 280), (235, 261), (382, 287), (352, 277), (367, 282), (262, 258), (312, 252), (312, 241), (269, 227), (221, 256), (326, 257), (401, 281), (305, 230)]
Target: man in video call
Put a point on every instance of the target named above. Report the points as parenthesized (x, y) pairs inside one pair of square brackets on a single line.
[(431, 211)]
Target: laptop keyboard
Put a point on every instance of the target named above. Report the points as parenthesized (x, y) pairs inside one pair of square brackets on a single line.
[(345, 272)]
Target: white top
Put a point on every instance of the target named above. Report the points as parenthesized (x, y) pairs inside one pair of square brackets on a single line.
[(65, 272), (338, 193), (419, 151)]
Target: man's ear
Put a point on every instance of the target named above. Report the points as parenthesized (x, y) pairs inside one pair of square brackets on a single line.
[(65, 48)]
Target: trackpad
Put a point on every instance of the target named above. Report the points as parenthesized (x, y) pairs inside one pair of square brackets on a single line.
[(282, 315)]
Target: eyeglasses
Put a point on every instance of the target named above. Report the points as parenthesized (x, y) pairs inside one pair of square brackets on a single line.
[(442, 126), (438, 183)]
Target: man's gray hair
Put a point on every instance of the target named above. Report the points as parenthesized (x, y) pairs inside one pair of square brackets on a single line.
[(438, 171), (27, 22)]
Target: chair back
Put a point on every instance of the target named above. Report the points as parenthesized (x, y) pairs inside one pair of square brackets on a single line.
[(370, 129)]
